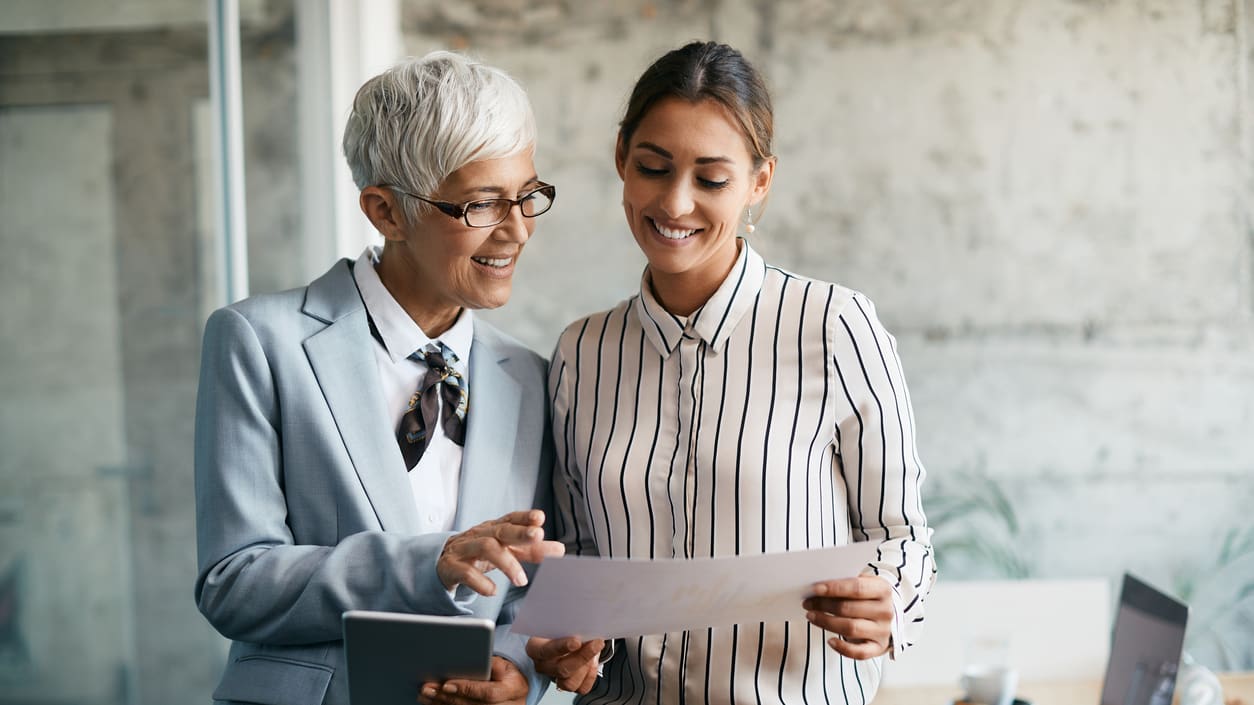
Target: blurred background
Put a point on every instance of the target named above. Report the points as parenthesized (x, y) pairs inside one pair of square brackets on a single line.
[(1050, 201)]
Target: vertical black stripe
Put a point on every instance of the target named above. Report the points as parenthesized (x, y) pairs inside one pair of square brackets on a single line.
[(631, 436), (853, 407), (715, 469), (709, 650), (901, 427), (648, 465), (682, 683), (608, 549), (574, 415), (757, 666), (744, 413), (783, 663), (661, 663), (770, 420), (879, 406)]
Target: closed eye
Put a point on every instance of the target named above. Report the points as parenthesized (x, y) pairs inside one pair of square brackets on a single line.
[(648, 171), (713, 185)]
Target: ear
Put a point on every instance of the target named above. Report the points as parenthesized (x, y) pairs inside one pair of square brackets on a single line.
[(383, 211), (620, 156), (762, 181)]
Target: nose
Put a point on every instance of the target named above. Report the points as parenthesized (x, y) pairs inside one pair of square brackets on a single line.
[(515, 228), (677, 200)]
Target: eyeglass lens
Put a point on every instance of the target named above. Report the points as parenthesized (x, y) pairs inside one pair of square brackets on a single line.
[(491, 211)]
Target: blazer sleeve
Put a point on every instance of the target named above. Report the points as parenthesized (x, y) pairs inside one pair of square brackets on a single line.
[(879, 462), (506, 643), (254, 582)]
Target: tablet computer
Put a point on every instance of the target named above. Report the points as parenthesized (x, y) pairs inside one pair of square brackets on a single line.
[(391, 654)]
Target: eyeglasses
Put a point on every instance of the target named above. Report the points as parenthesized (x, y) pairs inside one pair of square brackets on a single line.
[(487, 212)]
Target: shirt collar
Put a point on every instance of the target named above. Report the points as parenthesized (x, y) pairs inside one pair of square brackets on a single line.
[(715, 320), (398, 332)]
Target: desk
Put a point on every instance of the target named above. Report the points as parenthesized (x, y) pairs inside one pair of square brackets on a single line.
[(1236, 685)]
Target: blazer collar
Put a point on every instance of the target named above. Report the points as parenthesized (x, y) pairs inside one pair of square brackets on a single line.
[(342, 358), (492, 427)]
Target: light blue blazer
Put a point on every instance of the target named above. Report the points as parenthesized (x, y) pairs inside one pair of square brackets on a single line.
[(303, 506)]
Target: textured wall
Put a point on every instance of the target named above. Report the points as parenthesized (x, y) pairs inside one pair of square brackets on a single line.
[(1050, 203)]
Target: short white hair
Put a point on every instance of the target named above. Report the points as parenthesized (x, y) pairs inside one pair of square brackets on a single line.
[(423, 119)]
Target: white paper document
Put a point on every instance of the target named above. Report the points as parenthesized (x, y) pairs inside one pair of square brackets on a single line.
[(615, 597)]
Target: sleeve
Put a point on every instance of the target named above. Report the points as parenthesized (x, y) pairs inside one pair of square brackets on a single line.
[(879, 462), (574, 527), (254, 582), (506, 643), (572, 522)]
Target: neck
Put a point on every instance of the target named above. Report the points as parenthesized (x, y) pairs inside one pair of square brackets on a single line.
[(685, 292), (401, 281)]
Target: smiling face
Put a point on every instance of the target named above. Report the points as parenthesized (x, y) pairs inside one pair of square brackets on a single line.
[(687, 178), (437, 265)]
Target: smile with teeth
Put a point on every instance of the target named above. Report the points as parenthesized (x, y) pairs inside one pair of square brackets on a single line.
[(494, 262), (671, 234)]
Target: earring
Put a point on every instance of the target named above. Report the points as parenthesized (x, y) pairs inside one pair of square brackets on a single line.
[(749, 219)]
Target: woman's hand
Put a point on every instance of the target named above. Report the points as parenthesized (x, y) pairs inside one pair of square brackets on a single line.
[(859, 611), (499, 543), (571, 663), (507, 685)]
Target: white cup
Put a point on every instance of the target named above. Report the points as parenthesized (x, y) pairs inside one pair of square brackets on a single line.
[(990, 685), (1197, 685)]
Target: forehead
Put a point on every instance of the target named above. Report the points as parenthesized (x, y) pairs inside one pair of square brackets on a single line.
[(692, 130), (505, 174)]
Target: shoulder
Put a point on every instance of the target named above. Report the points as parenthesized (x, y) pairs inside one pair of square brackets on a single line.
[(836, 299), (587, 330), (290, 316)]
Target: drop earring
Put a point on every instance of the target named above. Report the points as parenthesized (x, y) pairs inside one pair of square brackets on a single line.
[(749, 219)]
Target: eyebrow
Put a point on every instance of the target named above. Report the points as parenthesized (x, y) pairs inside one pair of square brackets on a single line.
[(667, 155), (500, 191)]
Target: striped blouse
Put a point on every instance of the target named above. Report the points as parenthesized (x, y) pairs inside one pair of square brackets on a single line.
[(773, 418)]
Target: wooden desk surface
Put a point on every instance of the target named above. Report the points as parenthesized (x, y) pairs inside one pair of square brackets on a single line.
[(1236, 686)]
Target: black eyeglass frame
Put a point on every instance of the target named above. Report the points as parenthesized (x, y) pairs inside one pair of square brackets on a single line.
[(461, 212)]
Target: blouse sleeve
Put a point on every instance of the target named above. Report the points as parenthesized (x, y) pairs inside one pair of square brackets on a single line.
[(569, 503), (879, 462)]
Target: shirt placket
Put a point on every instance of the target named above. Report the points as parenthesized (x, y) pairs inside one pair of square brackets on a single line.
[(684, 483)]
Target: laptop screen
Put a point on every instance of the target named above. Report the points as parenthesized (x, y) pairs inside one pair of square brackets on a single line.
[(1146, 646)]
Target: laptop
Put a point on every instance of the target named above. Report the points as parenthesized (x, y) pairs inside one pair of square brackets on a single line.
[(1146, 646)]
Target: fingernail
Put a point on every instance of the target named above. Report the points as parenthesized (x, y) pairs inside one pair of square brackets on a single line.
[(520, 579), (428, 691), (820, 589), (450, 688), (811, 616), (534, 534)]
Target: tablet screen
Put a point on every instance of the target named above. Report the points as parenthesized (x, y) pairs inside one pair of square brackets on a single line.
[(391, 654)]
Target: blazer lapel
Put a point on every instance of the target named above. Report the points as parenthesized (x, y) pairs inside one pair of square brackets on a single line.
[(343, 361), (488, 468)]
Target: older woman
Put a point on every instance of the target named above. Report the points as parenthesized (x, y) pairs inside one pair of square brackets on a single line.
[(356, 437)]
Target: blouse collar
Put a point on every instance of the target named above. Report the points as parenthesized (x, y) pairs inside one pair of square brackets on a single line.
[(715, 320)]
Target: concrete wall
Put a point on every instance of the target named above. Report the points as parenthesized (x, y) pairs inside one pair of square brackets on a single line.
[(1049, 200), (1050, 203)]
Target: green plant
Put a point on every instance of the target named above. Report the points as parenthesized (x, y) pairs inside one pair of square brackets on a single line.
[(976, 527), (1220, 594)]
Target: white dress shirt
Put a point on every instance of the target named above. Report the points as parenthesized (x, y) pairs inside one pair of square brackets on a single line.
[(773, 418), (434, 480)]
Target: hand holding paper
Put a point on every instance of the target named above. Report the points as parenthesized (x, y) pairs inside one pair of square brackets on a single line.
[(613, 597)]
